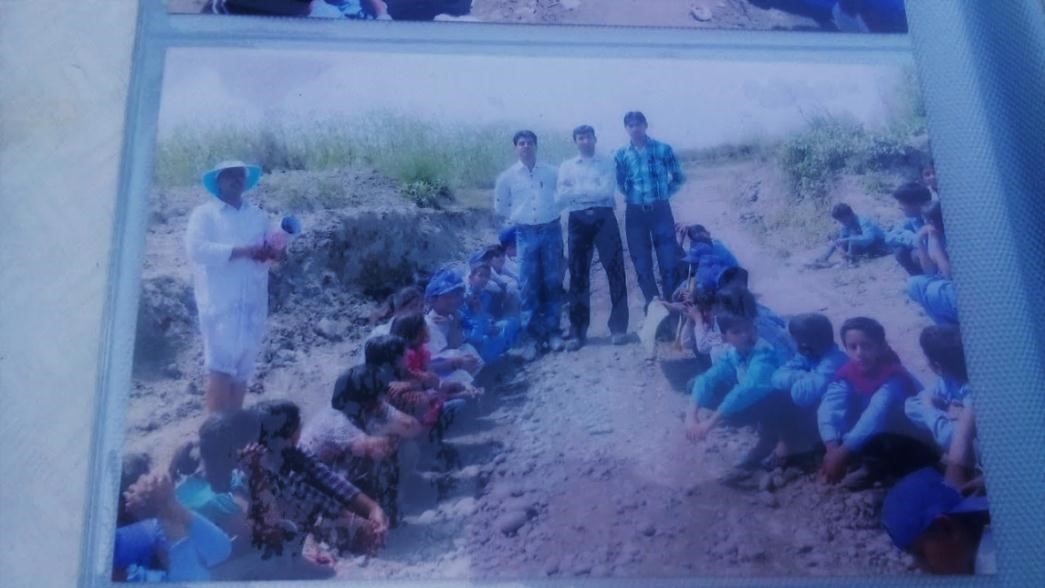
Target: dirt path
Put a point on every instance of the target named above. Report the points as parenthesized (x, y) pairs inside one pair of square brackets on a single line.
[(576, 465)]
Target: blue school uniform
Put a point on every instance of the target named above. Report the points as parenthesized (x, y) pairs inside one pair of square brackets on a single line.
[(477, 327), (748, 379), (854, 419), (188, 559), (934, 419), (936, 296), (866, 238), (806, 379), (905, 235), (773, 329)]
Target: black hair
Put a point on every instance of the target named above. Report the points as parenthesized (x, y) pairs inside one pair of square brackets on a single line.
[(524, 134), (942, 344), (414, 10), (395, 302), (927, 164), (583, 130), (731, 274), (358, 390), (933, 215), (737, 301), (277, 420), (221, 437), (813, 328), (634, 116), (913, 193), (728, 321), (185, 461), (868, 326), (841, 211), (479, 266), (134, 466), (409, 326), (492, 251), (384, 350)]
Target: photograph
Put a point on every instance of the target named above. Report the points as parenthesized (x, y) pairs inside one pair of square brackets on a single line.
[(511, 317), (850, 16)]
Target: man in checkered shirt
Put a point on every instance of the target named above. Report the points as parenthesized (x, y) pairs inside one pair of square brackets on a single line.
[(649, 174)]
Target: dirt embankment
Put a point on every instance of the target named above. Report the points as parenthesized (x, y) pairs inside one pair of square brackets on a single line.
[(575, 465)]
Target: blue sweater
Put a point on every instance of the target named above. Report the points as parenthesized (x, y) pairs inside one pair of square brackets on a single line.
[(806, 378), (750, 374), (853, 419), (865, 239), (934, 418)]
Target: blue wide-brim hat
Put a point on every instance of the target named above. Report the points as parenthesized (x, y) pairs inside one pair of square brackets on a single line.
[(210, 177), (917, 500)]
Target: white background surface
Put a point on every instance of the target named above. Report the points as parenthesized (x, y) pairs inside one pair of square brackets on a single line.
[(64, 68)]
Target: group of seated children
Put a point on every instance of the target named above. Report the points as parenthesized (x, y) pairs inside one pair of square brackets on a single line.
[(855, 410), (919, 245), (262, 483)]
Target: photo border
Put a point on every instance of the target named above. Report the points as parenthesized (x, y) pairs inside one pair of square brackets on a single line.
[(978, 161)]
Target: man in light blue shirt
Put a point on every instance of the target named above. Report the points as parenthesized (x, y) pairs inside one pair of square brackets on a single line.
[(586, 188), (524, 196)]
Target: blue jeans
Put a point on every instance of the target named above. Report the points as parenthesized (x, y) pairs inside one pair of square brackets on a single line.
[(648, 229), (540, 278), (936, 296)]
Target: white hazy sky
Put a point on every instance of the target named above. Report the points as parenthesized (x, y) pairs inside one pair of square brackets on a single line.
[(689, 103)]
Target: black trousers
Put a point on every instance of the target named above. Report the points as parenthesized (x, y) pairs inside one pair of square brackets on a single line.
[(589, 229)]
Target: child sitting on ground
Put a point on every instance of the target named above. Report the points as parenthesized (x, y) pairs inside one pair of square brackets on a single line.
[(933, 290), (946, 532), (453, 358), (292, 492), (492, 338), (745, 373), (510, 268), (359, 395), (168, 543), (857, 237), (805, 378), (912, 198), (413, 329), (408, 300), (938, 409), (861, 415), (217, 489), (503, 289)]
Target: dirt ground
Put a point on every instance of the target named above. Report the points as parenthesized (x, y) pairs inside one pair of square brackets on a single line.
[(574, 465), (695, 14)]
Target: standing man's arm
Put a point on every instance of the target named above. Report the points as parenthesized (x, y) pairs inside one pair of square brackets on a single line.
[(564, 186), (606, 182), (502, 197), (675, 168), (622, 173)]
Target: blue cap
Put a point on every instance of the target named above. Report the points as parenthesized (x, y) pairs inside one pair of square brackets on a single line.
[(507, 236), (917, 500), (444, 282)]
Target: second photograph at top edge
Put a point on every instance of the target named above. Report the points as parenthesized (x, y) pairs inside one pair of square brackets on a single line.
[(851, 16)]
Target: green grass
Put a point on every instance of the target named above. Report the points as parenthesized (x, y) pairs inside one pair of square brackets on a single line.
[(431, 160)]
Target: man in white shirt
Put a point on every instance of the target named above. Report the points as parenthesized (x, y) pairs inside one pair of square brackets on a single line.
[(587, 184), (524, 196), (225, 242)]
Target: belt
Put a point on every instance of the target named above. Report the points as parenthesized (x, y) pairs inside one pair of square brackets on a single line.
[(647, 207), (591, 210), (539, 226)]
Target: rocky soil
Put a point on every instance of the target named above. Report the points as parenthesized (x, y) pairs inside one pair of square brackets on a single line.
[(574, 465)]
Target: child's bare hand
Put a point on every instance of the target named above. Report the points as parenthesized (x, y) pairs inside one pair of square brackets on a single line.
[(250, 456), (378, 524), (150, 495), (694, 428), (835, 461), (380, 447), (430, 380), (955, 411)]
